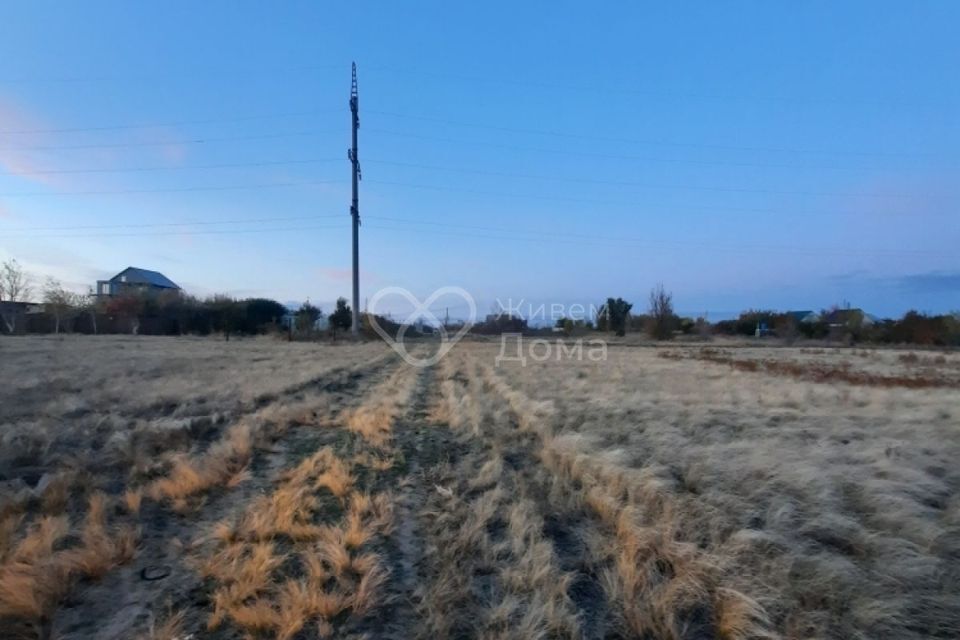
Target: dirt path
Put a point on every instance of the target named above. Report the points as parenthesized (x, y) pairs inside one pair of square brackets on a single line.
[(161, 580), (472, 549), (479, 547)]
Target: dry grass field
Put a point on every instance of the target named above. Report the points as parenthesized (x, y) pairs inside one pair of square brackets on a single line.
[(174, 488)]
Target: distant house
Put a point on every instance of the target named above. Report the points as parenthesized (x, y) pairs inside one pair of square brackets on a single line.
[(848, 318), (136, 280), (803, 317)]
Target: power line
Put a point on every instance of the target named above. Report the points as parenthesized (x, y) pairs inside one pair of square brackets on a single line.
[(611, 156), (163, 143), (627, 203), (270, 185), (175, 224), (180, 232), (511, 80), (596, 138), (504, 233), (626, 183), (229, 165), (265, 116), (267, 163), (153, 77), (464, 230)]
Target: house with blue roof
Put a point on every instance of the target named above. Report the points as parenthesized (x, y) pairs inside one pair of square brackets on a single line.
[(804, 316), (136, 280)]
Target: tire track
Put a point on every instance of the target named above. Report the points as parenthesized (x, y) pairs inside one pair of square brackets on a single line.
[(655, 584), (488, 571), (294, 424)]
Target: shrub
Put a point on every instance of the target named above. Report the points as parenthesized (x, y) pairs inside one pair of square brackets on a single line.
[(613, 316), (662, 319)]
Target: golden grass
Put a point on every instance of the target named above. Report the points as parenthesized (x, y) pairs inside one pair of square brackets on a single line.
[(661, 586), (373, 420), (8, 530), (782, 507), (36, 575), (528, 590), (188, 389), (478, 525), (101, 548), (170, 629), (132, 499), (688, 499), (338, 572), (224, 464)]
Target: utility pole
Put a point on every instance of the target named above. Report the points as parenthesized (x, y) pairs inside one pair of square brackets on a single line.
[(355, 203)]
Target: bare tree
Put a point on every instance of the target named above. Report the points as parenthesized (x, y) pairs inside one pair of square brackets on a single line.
[(90, 305), (14, 287), (662, 318), (62, 303)]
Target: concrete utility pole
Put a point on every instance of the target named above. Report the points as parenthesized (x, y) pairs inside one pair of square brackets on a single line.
[(355, 204)]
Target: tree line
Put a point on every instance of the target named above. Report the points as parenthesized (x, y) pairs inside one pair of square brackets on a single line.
[(163, 313), (849, 326), (176, 313)]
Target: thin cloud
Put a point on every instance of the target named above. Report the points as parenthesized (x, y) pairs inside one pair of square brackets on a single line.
[(15, 161), (931, 282)]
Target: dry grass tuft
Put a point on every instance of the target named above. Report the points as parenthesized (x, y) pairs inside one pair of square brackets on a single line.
[(36, 576), (483, 536), (224, 464), (373, 420), (170, 629), (101, 549), (733, 493), (132, 499), (337, 572), (763, 500), (659, 585), (68, 430)]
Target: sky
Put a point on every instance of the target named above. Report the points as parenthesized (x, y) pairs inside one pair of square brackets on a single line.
[(745, 154)]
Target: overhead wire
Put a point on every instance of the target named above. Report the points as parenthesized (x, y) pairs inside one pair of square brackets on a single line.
[(226, 165), (270, 185), (606, 202), (624, 183), (441, 228), (183, 232), (503, 233), (163, 143), (606, 155), (119, 127), (637, 141), (190, 223)]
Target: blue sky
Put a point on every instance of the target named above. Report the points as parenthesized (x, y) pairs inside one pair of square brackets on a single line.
[(774, 155)]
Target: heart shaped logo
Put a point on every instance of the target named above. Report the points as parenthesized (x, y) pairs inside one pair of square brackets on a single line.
[(421, 311)]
